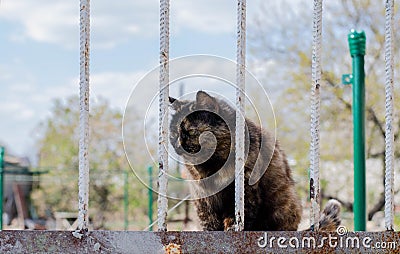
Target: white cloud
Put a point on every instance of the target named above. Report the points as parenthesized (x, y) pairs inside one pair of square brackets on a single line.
[(17, 110), (57, 21), (43, 21), (114, 86), (24, 87), (205, 16), (25, 103)]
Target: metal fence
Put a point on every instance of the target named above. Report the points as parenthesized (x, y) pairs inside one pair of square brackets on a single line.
[(84, 241)]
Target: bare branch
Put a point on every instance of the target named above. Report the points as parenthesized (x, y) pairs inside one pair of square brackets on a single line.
[(376, 155), (371, 112), (377, 207), (372, 116), (333, 84)]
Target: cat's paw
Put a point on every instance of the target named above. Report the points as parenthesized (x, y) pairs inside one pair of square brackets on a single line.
[(229, 224)]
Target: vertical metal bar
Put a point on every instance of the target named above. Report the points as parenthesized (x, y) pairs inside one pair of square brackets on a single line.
[(240, 120), (126, 201), (389, 137), (163, 116), (315, 115), (357, 52), (150, 195), (1, 185), (83, 215)]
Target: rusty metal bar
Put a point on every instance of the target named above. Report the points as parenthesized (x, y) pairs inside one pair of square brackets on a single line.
[(1, 185), (163, 116), (150, 227), (240, 120), (389, 137), (198, 242), (315, 115), (83, 198)]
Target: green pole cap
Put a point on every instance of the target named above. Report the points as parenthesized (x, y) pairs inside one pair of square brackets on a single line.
[(356, 42)]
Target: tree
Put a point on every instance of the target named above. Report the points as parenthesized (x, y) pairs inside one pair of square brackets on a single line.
[(288, 47), (57, 146)]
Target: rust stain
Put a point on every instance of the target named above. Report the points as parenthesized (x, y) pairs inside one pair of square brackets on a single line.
[(312, 188), (194, 242), (173, 248)]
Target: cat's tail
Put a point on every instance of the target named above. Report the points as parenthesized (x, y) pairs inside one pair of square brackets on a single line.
[(330, 217)]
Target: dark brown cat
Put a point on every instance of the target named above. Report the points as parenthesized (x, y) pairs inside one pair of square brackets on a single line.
[(271, 203)]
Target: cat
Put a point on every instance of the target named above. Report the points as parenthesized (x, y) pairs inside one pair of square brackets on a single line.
[(271, 203)]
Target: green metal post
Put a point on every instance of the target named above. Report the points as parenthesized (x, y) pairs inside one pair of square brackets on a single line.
[(357, 52), (150, 193), (126, 210), (1, 185)]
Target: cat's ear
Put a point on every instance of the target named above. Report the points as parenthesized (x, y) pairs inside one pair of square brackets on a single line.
[(204, 100), (174, 103), (171, 100)]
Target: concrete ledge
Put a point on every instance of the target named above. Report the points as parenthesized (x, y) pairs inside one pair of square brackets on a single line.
[(197, 242)]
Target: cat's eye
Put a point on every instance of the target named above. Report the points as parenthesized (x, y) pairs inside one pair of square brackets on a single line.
[(192, 132)]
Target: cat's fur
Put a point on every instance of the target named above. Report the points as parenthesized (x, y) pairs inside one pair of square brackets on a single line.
[(271, 203)]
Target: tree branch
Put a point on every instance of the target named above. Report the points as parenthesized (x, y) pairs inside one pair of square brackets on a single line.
[(332, 84), (371, 112), (349, 205), (377, 207), (376, 155), (375, 120)]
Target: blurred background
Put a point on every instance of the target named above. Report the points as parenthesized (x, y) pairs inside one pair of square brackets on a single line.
[(39, 70)]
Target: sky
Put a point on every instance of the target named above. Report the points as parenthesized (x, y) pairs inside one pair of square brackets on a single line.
[(39, 52)]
